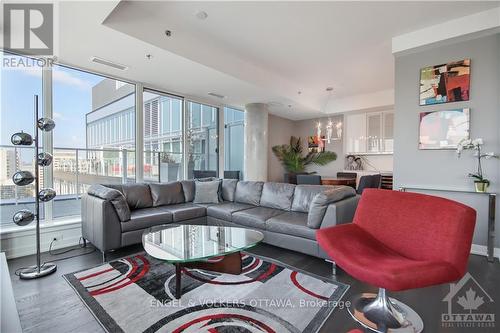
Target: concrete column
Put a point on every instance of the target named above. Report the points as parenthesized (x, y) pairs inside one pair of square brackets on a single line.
[(256, 141)]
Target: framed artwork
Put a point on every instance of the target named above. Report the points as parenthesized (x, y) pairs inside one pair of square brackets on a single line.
[(443, 129), (445, 83), (315, 143)]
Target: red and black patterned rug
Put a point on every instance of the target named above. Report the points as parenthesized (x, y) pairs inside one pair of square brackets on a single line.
[(135, 294)]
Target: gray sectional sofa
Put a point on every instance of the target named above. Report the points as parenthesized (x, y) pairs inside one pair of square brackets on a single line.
[(288, 215)]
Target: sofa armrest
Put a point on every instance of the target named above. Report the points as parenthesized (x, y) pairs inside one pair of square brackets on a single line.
[(100, 223), (340, 212)]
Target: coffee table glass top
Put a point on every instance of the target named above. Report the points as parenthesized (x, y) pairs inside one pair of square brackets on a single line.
[(186, 243)]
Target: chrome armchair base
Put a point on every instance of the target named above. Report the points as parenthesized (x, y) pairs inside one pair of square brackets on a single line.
[(380, 313)]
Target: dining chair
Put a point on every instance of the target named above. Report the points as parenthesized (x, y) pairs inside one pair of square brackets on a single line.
[(308, 180), (369, 181)]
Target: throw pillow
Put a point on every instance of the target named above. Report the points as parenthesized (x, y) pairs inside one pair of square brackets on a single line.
[(207, 192)]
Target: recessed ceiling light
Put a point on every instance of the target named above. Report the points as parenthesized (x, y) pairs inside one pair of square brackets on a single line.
[(168, 33), (201, 15), (299, 92), (149, 56), (329, 89)]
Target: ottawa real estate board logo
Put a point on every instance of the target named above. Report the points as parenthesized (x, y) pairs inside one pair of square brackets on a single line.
[(469, 305)]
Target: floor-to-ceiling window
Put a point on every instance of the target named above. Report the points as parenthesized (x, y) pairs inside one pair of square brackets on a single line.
[(163, 155), (233, 142), (21, 79), (93, 141), (94, 138), (202, 140)]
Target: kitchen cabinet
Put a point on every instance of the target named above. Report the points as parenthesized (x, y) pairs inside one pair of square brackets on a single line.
[(370, 133)]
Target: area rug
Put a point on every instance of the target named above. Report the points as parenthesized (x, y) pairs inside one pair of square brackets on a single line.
[(135, 294)]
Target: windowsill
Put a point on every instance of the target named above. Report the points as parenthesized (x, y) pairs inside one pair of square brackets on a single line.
[(56, 224)]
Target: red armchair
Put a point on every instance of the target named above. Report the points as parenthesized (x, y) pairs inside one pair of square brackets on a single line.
[(400, 241)]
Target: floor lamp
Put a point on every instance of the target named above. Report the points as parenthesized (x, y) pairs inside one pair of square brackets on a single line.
[(23, 178)]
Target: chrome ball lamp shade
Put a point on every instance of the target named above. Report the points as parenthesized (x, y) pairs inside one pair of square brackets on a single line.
[(21, 139), (23, 217), (46, 194), (23, 178), (44, 159), (46, 124)]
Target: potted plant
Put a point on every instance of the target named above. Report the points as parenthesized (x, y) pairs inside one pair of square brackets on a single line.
[(292, 158), (169, 168), (481, 184)]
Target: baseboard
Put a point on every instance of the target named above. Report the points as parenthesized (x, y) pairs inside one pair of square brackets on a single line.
[(23, 242), (483, 250)]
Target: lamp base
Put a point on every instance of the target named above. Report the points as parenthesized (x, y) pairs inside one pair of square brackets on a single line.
[(380, 313), (32, 272)]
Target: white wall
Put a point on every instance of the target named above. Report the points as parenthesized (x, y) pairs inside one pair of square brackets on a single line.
[(442, 168)]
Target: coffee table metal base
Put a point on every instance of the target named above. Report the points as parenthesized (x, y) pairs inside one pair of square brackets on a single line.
[(230, 264)]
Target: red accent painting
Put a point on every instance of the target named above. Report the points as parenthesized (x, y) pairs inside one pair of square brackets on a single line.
[(445, 83)]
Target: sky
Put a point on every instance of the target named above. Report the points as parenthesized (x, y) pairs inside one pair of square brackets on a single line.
[(72, 99)]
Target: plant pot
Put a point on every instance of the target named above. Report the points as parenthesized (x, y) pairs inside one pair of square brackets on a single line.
[(169, 172), (481, 186), (291, 177)]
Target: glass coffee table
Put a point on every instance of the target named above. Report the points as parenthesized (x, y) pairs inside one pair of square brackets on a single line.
[(192, 246)]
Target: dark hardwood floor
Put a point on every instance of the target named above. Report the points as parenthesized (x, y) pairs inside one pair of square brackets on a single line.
[(49, 304)]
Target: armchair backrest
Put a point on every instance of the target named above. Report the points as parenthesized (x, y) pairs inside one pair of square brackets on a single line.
[(418, 226)]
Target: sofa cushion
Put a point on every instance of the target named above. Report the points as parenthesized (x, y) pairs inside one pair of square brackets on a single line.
[(320, 203), (291, 223), (248, 192), (145, 218), (137, 195), (228, 189), (116, 198), (188, 189), (277, 195), (166, 193), (185, 211), (207, 192), (255, 217), (304, 194), (224, 210)]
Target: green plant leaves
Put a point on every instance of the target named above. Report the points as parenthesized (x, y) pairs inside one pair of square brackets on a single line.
[(292, 160)]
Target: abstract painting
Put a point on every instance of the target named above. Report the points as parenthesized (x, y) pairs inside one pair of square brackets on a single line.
[(445, 83), (315, 143), (443, 129)]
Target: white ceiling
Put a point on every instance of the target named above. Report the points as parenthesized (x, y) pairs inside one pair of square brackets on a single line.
[(252, 51)]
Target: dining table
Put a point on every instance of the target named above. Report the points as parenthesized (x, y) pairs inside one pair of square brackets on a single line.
[(346, 181)]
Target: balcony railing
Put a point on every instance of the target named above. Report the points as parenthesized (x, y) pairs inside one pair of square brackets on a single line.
[(75, 169)]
